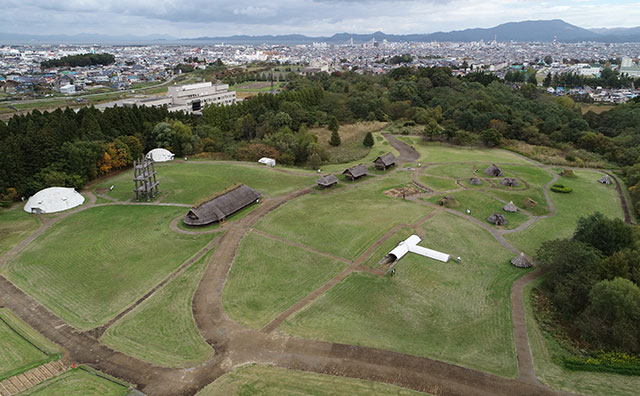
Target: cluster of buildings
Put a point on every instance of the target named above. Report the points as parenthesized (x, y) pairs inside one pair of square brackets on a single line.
[(21, 75)]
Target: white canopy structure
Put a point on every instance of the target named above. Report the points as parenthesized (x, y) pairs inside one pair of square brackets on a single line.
[(411, 245), (160, 155), (267, 161), (53, 199)]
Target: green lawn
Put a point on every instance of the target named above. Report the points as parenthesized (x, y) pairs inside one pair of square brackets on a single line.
[(481, 207), (268, 276), (346, 222), (77, 382), (275, 381), (93, 264), (588, 196), (16, 346), (546, 351), (455, 312), (191, 181), (15, 225), (162, 329), (380, 147), (438, 183), (537, 178), (437, 152)]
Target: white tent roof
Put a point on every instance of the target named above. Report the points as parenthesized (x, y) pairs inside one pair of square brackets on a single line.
[(267, 161), (411, 245), (160, 155), (53, 199)]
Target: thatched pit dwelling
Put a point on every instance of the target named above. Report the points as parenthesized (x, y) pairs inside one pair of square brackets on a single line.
[(510, 182), (510, 207), (521, 261), (497, 219), (327, 181), (222, 205), (448, 202), (475, 181), (356, 172), (605, 180), (493, 171), (385, 161)]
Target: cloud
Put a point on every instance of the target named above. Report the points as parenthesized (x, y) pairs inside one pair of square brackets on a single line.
[(190, 18)]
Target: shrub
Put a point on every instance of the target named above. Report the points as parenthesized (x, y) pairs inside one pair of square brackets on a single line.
[(561, 188)]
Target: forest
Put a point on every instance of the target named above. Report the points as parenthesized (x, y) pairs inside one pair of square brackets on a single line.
[(72, 148), (79, 60), (593, 283)]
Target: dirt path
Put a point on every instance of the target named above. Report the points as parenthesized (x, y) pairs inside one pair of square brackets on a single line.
[(407, 153), (623, 201)]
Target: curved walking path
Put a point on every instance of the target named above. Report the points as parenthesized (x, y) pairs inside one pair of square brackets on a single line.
[(236, 345)]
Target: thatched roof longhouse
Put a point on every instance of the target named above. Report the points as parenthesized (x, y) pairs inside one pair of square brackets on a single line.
[(327, 181), (221, 206)]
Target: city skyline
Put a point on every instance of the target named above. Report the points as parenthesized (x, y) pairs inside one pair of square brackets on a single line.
[(309, 17)]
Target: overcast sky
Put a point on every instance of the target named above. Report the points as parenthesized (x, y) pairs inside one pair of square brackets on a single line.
[(193, 18)]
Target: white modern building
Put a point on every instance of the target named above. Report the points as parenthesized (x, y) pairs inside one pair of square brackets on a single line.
[(189, 98), (411, 245), (53, 199)]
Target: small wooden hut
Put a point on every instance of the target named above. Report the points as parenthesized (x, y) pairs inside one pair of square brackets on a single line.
[(327, 181), (510, 182), (497, 219), (510, 207), (475, 181), (605, 180), (521, 261), (222, 205), (356, 172), (385, 161), (493, 171)]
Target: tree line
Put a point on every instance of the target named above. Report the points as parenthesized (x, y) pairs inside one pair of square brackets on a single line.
[(79, 60), (479, 109), (593, 283)]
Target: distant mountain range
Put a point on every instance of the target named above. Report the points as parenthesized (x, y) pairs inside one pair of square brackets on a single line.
[(525, 31)]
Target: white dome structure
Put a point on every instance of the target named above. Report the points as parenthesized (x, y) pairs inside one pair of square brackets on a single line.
[(160, 155), (53, 199)]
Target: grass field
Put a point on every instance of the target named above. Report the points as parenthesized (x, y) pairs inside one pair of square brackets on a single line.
[(351, 137), (536, 178), (588, 196), (437, 152), (162, 329), (17, 348), (545, 350), (481, 207), (268, 276), (88, 277), (255, 86), (77, 382), (346, 222), (380, 147), (456, 312), (189, 182), (438, 183), (15, 225), (275, 381)]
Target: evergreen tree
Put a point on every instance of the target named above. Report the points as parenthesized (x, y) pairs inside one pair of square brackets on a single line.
[(368, 140), (547, 80), (335, 138)]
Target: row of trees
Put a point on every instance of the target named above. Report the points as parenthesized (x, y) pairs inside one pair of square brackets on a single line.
[(593, 281), (79, 60)]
